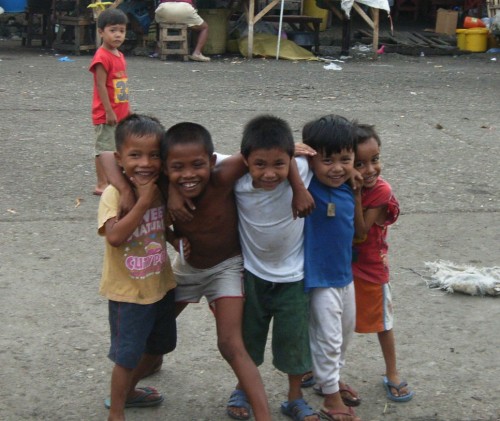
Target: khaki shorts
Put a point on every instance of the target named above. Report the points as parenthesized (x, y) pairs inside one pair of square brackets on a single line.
[(104, 138), (178, 12), (221, 281)]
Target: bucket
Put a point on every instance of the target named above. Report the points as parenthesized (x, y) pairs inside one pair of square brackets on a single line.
[(310, 9), (13, 6), (474, 40), (461, 39), (217, 20), (470, 22)]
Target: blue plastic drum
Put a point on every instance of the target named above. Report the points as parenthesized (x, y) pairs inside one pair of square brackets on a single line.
[(13, 6)]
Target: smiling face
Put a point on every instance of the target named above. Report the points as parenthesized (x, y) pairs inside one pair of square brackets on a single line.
[(367, 162), (268, 167), (335, 169), (113, 36), (188, 167), (139, 156)]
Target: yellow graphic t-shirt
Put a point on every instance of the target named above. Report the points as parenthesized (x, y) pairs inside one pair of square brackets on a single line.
[(139, 270)]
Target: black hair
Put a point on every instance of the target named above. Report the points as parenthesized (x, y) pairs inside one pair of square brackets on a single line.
[(137, 125), (330, 134), (111, 16), (267, 132), (365, 132), (185, 133)]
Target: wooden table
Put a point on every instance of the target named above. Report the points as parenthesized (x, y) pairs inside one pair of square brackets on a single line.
[(253, 18), (373, 21)]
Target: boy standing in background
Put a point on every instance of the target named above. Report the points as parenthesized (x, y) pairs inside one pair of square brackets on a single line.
[(110, 103)]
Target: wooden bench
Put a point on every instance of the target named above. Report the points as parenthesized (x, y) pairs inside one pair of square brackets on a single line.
[(300, 23)]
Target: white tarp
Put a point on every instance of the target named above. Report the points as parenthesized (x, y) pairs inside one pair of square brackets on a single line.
[(377, 4), (346, 7)]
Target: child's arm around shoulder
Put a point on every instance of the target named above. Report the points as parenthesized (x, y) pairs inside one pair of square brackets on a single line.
[(117, 231), (229, 170), (302, 201), (117, 179)]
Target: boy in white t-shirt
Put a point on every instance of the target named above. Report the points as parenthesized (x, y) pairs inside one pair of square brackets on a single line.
[(272, 245)]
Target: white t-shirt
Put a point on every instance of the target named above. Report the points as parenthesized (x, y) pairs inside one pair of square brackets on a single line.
[(271, 240)]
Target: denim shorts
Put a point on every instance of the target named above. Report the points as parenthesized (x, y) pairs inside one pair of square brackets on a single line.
[(138, 329)]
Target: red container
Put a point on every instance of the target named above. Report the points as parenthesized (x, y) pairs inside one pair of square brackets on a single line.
[(470, 22)]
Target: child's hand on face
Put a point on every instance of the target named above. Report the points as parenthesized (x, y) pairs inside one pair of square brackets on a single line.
[(147, 191), (301, 149)]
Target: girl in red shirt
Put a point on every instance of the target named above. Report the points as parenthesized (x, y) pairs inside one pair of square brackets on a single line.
[(378, 208)]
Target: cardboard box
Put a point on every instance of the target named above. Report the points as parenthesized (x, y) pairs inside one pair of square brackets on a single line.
[(446, 21)]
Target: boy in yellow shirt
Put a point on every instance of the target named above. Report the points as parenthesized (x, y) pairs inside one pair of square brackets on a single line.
[(137, 276)]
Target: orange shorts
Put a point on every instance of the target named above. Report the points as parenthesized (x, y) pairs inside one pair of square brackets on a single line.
[(374, 311)]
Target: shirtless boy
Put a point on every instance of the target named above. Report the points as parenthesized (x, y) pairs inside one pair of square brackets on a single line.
[(213, 263)]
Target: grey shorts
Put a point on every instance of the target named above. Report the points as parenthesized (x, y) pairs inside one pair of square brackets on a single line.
[(104, 138), (221, 281)]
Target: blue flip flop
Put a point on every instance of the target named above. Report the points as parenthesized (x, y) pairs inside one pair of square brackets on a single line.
[(238, 399), (140, 401), (388, 385), (297, 410), (310, 381)]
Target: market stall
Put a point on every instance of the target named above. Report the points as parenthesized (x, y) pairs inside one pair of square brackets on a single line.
[(253, 16)]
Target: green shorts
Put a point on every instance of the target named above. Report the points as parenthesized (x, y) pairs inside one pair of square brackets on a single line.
[(288, 306), (104, 138)]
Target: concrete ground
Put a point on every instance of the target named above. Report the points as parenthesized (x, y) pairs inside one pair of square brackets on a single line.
[(439, 122)]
